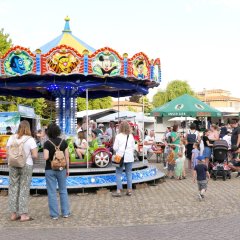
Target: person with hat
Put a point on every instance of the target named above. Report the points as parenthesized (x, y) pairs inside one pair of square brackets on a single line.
[(202, 175)]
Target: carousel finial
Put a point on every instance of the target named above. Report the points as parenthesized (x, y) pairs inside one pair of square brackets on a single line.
[(67, 26), (67, 18)]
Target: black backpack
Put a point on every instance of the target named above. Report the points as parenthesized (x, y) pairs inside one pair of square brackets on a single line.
[(191, 137)]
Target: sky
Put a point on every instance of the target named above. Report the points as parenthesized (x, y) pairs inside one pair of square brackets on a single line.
[(196, 40)]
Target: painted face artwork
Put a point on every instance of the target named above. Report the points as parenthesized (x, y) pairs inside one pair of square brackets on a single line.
[(139, 68), (106, 64), (62, 63), (17, 64)]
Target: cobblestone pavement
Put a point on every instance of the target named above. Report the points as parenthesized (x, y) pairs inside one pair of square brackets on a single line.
[(169, 210)]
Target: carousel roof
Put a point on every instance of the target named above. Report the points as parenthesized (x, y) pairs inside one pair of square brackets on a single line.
[(67, 38), (67, 66)]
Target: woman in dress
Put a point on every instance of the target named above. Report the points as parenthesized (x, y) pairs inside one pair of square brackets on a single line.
[(20, 178)]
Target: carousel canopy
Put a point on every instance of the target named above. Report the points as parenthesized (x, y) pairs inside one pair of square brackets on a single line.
[(66, 67), (68, 39)]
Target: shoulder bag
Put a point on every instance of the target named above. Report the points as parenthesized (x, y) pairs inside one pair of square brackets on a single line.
[(117, 160)]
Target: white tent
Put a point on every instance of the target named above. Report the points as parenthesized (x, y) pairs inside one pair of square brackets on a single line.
[(126, 115)]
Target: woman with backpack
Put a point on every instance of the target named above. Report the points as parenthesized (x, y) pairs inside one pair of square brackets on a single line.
[(191, 138), (54, 176), (21, 149)]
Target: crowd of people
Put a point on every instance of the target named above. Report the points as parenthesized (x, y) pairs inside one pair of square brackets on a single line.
[(192, 148), (50, 140)]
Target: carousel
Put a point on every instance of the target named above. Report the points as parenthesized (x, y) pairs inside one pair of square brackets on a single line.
[(67, 68)]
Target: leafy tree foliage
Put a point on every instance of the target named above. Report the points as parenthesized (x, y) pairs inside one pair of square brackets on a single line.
[(173, 90), (100, 103), (5, 42), (147, 105)]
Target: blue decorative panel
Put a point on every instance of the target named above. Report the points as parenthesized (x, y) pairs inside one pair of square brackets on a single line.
[(89, 181)]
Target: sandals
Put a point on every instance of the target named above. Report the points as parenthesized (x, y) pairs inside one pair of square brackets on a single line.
[(27, 219), (129, 194), (15, 218), (116, 194)]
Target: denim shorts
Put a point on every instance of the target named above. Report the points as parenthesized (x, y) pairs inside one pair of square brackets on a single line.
[(207, 152)]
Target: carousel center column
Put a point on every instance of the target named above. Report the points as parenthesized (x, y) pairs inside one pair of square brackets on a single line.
[(66, 114)]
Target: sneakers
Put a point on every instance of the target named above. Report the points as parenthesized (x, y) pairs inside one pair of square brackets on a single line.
[(66, 216), (54, 218), (200, 197)]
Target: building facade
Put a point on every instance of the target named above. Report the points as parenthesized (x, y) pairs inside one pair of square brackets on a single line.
[(220, 99)]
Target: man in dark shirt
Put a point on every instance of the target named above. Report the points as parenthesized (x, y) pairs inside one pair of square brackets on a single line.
[(235, 139), (201, 174)]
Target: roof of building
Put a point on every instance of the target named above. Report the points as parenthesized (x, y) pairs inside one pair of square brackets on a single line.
[(218, 98), (126, 103), (214, 91), (83, 113)]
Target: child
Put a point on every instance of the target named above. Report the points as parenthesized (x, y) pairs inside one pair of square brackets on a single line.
[(171, 161), (201, 174), (179, 166), (195, 154)]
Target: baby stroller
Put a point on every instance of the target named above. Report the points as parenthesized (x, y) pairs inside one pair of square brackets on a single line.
[(219, 164)]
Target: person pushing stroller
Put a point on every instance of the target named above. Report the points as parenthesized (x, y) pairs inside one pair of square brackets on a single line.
[(202, 176)]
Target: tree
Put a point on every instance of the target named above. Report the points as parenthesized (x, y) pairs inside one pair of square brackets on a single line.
[(5, 42), (99, 103), (147, 105), (173, 90)]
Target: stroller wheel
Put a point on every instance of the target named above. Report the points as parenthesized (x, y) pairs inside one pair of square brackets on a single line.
[(224, 177), (214, 177)]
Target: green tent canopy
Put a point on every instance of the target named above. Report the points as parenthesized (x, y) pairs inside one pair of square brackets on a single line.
[(188, 106)]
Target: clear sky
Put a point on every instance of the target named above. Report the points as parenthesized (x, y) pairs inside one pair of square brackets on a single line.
[(196, 40)]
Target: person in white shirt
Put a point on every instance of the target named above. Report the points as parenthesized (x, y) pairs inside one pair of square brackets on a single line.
[(80, 145), (148, 142), (111, 131), (124, 145), (20, 178), (227, 138)]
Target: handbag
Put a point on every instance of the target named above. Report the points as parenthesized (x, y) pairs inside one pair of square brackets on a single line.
[(59, 161), (117, 160)]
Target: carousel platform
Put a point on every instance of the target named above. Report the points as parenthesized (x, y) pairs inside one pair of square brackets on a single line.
[(84, 178)]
